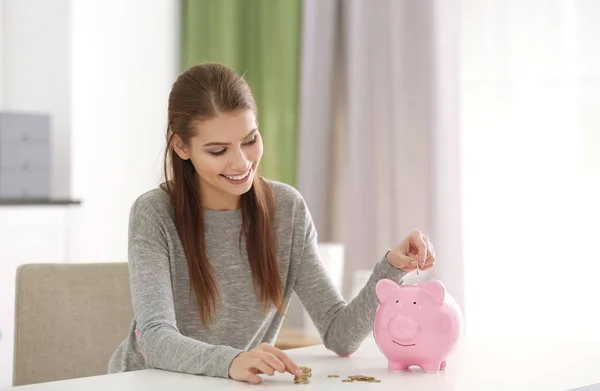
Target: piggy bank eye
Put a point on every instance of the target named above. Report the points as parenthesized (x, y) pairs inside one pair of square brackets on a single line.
[(396, 301), (414, 302)]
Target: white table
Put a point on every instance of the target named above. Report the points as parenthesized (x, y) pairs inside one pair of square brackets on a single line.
[(475, 366)]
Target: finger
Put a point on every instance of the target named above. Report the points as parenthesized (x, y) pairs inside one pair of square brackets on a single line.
[(428, 264), (430, 249), (428, 252), (430, 261), (272, 360), (250, 377), (431, 254), (290, 365), (262, 366), (418, 241)]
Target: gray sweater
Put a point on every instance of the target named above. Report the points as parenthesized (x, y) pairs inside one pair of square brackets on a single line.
[(166, 331)]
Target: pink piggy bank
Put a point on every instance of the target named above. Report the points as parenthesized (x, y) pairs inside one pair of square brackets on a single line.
[(416, 324)]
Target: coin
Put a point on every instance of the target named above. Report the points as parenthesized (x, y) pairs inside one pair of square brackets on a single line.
[(306, 374), (361, 378)]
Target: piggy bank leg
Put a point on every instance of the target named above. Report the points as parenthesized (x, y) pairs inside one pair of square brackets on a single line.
[(396, 366), (443, 365), (431, 366)]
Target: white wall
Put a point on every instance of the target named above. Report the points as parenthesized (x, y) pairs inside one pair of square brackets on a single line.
[(36, 75), (103, 70), (124, 60)]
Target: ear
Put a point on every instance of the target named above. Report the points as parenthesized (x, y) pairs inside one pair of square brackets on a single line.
[(385, 288), (435, 289), (179, 147)]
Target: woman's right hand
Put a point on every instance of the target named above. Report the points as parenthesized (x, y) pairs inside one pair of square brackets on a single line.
[(264, 359)]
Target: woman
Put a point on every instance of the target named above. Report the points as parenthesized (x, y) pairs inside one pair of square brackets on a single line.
[(216, 251)]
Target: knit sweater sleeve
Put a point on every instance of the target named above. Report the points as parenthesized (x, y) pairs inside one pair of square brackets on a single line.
[(160, 342), (343, 326)]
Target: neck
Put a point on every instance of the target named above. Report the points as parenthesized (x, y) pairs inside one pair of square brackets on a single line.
[(214, 200)]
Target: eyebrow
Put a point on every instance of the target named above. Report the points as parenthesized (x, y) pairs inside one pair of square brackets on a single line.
[(221, 144)]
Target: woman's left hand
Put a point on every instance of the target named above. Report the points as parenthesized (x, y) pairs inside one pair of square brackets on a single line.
[(415, 248)]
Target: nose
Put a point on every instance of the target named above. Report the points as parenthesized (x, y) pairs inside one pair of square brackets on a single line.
[(403, 329), (239, 161)]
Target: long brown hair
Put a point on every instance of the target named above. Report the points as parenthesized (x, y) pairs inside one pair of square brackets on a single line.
[(200, 93)]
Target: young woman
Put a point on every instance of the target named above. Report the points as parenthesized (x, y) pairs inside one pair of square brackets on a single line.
[(216, 251)]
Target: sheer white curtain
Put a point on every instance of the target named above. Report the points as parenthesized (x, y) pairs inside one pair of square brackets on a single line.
[(530, 88), (378, 133)]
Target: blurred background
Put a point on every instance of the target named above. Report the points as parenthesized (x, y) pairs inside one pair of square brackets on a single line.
[(470, 120)]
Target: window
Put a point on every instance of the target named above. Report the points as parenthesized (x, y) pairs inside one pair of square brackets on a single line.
[(530, 94)]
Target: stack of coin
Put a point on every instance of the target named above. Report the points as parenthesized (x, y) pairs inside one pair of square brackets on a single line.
[(306, 374)]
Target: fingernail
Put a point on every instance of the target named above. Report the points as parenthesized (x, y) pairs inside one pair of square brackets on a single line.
[(413, 263), (299, 372)]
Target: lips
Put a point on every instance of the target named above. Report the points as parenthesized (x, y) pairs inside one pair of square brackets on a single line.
[(237, 177)]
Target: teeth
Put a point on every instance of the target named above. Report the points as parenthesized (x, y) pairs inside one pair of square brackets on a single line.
[(238, 177)]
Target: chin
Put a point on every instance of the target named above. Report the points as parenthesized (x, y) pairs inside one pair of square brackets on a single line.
[(240, 191)]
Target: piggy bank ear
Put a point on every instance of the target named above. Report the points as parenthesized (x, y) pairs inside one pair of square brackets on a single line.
[(435, 289), (385, 288)]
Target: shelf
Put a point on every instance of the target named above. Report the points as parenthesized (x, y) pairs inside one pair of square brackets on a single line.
[(35, 202)]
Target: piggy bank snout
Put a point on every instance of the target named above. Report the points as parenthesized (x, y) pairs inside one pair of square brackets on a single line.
[(403, 329)]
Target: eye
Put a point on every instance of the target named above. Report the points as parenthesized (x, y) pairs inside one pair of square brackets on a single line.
[(217, 153), (414, 302), (396, 301), (252, 141)]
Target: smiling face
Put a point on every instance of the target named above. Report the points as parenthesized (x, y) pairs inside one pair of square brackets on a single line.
[(225, 151)]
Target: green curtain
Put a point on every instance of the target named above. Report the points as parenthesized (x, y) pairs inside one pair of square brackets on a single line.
[(259, 39)]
